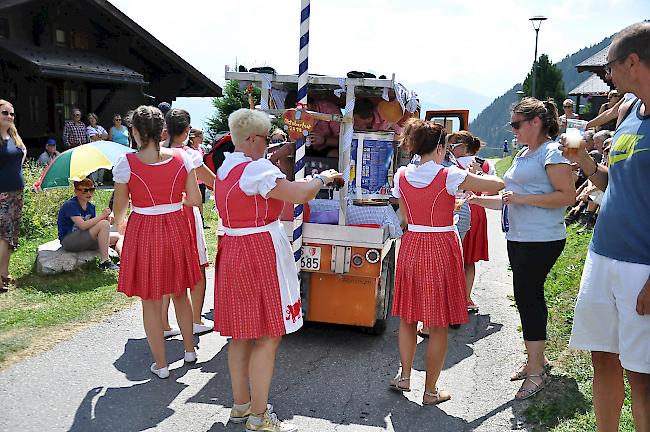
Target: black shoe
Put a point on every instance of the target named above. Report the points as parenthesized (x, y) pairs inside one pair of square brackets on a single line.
[(589, 224), (454, 326), (108, 265)]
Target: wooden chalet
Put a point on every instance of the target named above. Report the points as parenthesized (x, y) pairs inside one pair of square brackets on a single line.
[(56, 55)]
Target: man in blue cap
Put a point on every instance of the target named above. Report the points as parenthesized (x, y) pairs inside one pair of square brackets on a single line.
[(49, 154)]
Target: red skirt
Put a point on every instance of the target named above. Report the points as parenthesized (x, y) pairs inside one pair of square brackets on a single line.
[(158, 257), (429, 280), (475, 243), (247, 302)]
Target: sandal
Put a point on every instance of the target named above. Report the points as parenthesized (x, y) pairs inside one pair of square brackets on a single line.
[(472, 307), (394, 383), (8, 280), (438, 395), (526, 393), (522, 374)]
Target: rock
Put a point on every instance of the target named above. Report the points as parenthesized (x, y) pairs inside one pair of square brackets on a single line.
[(51, 258)]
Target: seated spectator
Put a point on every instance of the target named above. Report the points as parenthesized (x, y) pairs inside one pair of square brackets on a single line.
[(324, 137), (366, 117), (74, 131), (49, 154), (119, 133), (599, 140), (81, 229)]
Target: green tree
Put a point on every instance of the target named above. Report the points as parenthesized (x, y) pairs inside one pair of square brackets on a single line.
[(549, 82), (233, 99)]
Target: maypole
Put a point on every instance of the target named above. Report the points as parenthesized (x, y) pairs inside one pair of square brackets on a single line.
[(299, 167)]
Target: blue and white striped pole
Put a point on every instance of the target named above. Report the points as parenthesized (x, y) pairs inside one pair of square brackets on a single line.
[(299, 167)]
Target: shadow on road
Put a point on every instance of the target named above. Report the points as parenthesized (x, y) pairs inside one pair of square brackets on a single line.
[(326, 372)]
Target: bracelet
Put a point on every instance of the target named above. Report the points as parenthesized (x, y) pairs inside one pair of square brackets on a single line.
[(595, 171), (320, 177)]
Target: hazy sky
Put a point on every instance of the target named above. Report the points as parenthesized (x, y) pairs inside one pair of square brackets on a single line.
[(484, 46)]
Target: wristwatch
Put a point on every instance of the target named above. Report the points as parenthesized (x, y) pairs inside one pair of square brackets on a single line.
[(320, 177)]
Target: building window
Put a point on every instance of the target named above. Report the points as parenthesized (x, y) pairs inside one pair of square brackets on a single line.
[(34, 109), (70, 101), (4, 28), (61, 37), (80, 39)]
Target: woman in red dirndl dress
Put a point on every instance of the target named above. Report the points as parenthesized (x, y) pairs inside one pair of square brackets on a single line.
[(158, 257), (475, 244), (429, 279), (256, 293), (178, 127)]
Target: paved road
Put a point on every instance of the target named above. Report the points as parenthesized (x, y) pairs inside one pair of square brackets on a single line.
[(327, 378)]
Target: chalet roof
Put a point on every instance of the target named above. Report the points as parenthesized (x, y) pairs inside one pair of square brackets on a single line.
[(69, 63), (593, 86), (595, 64)]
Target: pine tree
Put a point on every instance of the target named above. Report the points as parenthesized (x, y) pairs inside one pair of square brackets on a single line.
[(549, 81), (233, 99)]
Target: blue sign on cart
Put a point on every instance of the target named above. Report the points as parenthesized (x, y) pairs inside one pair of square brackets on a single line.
[(370, 163)]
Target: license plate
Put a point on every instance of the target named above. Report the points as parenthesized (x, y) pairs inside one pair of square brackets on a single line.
[(310, 259)]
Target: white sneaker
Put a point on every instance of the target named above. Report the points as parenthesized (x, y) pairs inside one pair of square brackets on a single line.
[(162, 372), (203, 328), (190, 357), (171, 332)]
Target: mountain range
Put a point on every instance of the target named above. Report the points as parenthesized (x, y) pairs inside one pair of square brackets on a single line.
[(434, 95), (490, 124)]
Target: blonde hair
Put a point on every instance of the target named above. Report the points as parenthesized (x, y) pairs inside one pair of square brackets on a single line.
[(244, 122), (13, 132)]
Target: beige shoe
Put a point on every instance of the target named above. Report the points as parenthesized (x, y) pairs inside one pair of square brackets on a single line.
[(237, 416), (270, 423)]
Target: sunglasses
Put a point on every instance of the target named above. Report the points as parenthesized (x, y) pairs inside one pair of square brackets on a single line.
[(454, 145), (567, 106), (277, 140), (608, 65), (117, 119), (517, 124), (86, 190), (266, 138), (7, 113)]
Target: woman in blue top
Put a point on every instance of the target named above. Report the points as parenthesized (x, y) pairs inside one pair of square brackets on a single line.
[(12, 156), (119, 133), (539, 186)]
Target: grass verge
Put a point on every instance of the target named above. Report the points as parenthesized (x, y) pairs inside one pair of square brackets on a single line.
[(502, 165), (566, 404)]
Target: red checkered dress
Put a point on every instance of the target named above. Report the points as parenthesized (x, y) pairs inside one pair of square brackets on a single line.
[(429, 278), (475, 242), (158, 256), (247, 300)]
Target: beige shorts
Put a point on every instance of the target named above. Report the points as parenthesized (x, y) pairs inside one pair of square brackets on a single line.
[(605, 316), (78, 241)]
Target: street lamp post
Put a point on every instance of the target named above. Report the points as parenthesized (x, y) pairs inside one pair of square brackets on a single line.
[(537, 23)]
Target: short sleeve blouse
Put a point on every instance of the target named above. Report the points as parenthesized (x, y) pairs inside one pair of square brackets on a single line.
[(259, 177), (122, 169), (421, 176)]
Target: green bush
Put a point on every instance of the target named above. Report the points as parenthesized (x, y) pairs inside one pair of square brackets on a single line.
[(40, 209)]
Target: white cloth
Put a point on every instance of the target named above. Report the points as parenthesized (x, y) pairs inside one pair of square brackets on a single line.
[(259, 177), (286, 269), (122, 169), (201, 245), (158, 209), (605, 317), (465, 161), (421, 176), (195, 157)]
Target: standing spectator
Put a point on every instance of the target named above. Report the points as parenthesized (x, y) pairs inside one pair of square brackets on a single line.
[(539, 186), (256, 292), (74, 131), (567, 105), (613, 97), (12, 157), (506, 150), (119, 133), (158, 257), (196, 142), (49, 154), (612, 315), (429, 281), (96, 133), (81, 229), (464, 147)]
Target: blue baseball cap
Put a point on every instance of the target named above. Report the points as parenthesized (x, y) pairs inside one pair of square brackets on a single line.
[(51, 141), (164, 107)]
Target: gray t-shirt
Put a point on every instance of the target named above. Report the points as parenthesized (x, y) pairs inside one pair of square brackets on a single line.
[(527, 176)]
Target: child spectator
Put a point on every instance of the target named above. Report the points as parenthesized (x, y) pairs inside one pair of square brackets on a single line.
[(81, 229)]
